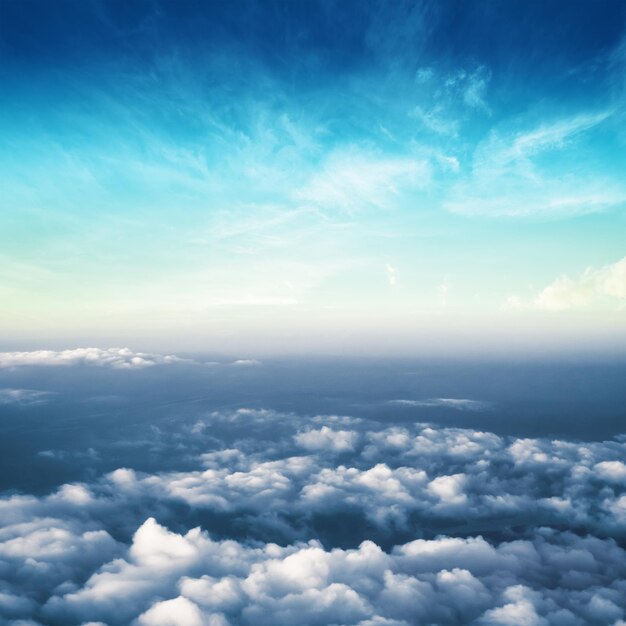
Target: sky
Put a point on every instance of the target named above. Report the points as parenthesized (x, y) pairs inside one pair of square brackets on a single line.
[(196, 194), (313, 177)]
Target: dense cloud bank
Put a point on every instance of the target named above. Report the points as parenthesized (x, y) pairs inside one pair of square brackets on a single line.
[(113, 358), (190, 579), (329, 520)]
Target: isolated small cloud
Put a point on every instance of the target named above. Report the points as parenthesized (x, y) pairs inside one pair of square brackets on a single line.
[(87, 455), (461, 404), (392, 274)]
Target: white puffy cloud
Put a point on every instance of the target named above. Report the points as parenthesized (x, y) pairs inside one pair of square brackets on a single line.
[(188, 580), (520, 612), (407, 477), (605, 287), (449, 489), (326, 438), (176, 612), (612, 471), (479, 523)]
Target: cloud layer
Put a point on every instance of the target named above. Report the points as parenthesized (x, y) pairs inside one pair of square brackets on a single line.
[(329, 520), (117, 358)]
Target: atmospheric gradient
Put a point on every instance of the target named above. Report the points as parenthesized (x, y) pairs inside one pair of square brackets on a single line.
[(312, 313)]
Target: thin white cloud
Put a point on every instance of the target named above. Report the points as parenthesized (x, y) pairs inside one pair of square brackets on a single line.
[(448, 162), (551, 135), (351, 180), (435, 121), (24, 396), (116, 358), (327, 439), (511, 177), (462, 404), (475, 91), (246, 362), (392, 274)]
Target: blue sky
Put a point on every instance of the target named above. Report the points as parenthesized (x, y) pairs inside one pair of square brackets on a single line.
[(313, 176)]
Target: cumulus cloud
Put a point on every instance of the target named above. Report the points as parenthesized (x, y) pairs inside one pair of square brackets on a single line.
[(605, 286), (327, 439), (421, 525), (166, 578), (612, 471), (176, 612), (449, 489), (117, 358)]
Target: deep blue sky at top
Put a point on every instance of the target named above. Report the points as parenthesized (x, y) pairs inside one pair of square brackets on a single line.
[(313, 44)]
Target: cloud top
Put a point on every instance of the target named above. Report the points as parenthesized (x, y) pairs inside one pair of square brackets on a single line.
[(421, 525), (595, 287)]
